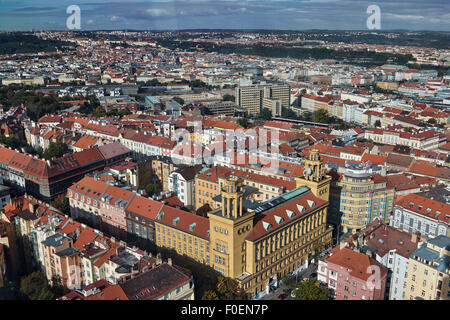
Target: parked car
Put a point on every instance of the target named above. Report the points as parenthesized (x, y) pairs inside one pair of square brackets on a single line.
[(282, 296)]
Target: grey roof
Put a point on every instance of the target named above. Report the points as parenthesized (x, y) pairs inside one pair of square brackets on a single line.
[(426, 253), (126, 262), (55, 240), (68, 252), (440, 241), (441, 264)]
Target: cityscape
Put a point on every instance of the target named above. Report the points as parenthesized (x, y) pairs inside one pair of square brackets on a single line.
[(243, 164)]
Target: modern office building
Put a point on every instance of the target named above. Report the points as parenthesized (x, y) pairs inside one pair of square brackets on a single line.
[(251, 98)]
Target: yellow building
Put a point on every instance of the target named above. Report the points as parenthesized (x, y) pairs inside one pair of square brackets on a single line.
[(358, 197), (185, 232), (429, 271), (314, 178), (255, 244), (258, 187), (162, 167)]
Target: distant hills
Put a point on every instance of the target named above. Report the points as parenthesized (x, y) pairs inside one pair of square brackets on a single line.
[(11, 43)]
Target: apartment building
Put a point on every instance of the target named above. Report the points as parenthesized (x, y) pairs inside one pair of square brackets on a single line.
[(417, 213), (162, 167), (313, 103), (163, 281), (425, 140), (46, 180), (61, 260), (429, 271), (358, 196), (349, 274), (390, 247), (182, 183)]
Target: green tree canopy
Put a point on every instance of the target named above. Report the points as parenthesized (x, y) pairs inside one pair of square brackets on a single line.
[(99, 112), (321, 116), (62, 204), (35, 287), (244, 122), (55, 149), (266, 114), (178, 99), (152, 188), (228, 97), (226, 289), (311, 290)]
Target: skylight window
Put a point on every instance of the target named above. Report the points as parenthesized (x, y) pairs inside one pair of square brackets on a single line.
[(311, 203), (300, 208), (266, 225), (290, 214), (278, 219)]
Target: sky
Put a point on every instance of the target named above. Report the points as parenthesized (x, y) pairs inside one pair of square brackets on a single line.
[(23, 15)]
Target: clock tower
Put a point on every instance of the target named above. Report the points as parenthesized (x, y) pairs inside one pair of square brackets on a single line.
[(314, 178)]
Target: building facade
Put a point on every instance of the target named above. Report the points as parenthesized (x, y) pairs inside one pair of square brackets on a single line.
[(429, 271)]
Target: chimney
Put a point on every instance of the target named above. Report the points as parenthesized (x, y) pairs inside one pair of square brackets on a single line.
[(342, 245), (414, 237), (169, 261)]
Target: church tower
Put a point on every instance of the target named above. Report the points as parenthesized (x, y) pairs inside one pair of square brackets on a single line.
[(314, 178), (229, 226)]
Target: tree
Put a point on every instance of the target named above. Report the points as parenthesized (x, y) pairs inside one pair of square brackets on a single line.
[(226, 289), (303, 92), (244, 122), (321, 116), (320, 93), (228, 97), (55, 149), (99, 112), (62, 204), (112, 113), (409, 129), (307, 116), (210, 295), (35, 287), (152, 188), (124, 112), (311, 290), (432, 121), (10, 291), (178, 99), (266, 114), (377, 123)]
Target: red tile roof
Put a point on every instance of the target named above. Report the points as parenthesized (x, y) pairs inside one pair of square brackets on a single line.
[(431, 208)]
